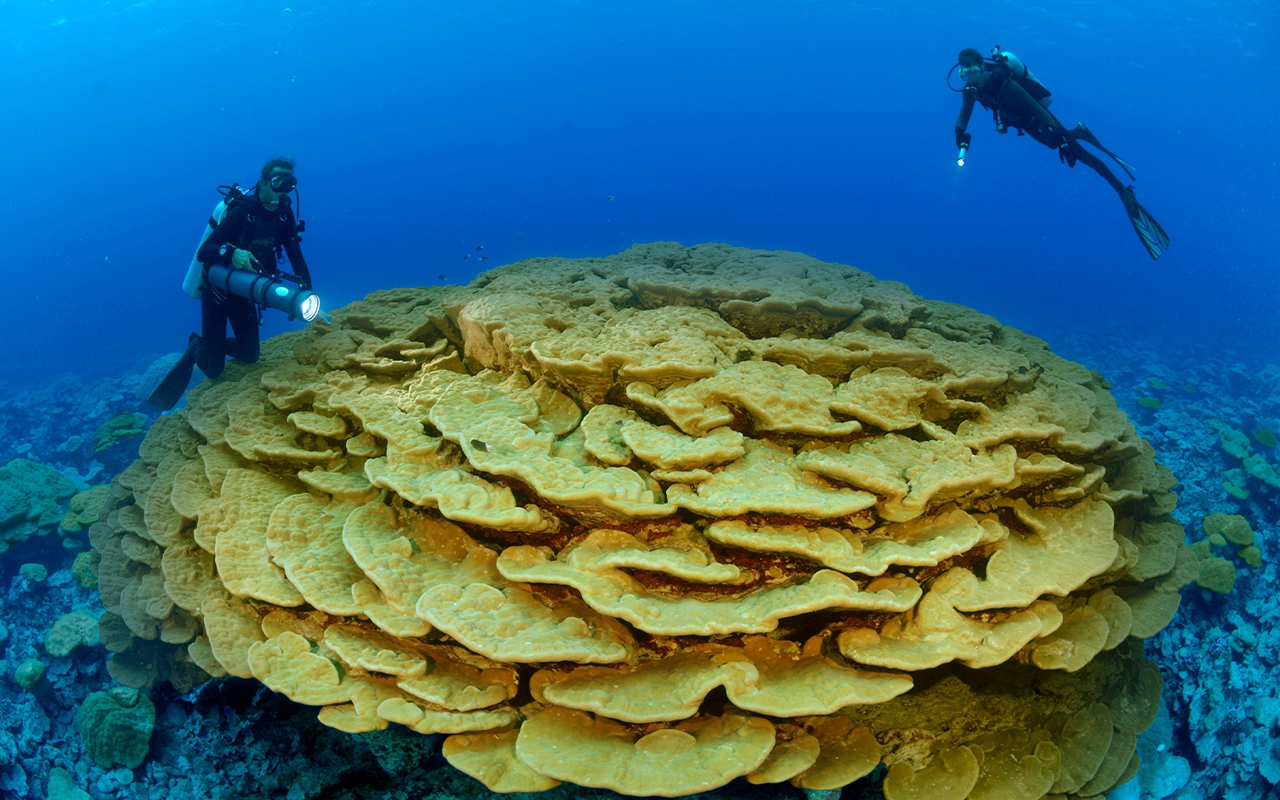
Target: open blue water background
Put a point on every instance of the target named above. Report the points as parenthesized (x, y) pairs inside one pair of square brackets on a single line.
[(423, 129)]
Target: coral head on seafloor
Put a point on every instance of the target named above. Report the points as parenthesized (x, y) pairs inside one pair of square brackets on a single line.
[(661, 520)]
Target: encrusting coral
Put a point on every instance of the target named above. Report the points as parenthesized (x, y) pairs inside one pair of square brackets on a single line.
[(1219, 574), (83, 509), (62, 786), (34, 572), (661, 520), (71, 631), (120, 427), (116, 727), (82, 569), (29, 673), (1236, 443), (31, 495)]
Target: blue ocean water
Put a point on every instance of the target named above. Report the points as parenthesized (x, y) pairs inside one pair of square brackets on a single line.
[(426, 130)]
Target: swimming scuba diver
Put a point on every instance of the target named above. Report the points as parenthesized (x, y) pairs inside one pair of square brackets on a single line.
[(1005, 86), (234, 270)]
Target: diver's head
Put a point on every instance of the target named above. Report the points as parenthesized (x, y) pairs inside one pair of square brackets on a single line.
[(276, 180), (972, 70)]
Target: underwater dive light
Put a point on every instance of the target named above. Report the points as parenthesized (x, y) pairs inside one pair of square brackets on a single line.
[(964, 151), (267, 290)]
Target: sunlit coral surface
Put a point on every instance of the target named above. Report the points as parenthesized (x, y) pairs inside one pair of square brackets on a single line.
[(662, 520)]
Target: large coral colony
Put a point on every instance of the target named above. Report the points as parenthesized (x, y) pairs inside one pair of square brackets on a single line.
[(659, 521)]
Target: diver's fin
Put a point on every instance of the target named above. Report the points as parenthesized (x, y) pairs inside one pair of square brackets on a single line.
[(1082, 132), (166, 395), (1124, 165), (1149, 231)]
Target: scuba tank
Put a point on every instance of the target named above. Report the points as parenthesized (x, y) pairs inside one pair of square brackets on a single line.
[(194, 283)]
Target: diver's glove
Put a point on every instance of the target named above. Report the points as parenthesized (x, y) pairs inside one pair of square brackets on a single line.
[(963, 139)]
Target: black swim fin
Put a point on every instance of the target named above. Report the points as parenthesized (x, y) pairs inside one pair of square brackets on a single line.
[(1149, 231), (169, 392), (1082, 133)]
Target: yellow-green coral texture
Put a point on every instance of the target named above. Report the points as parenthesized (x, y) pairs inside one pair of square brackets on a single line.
[(71, 631), (31, 497), (116, 727), (120, 427), (661, 520), (83, 509)]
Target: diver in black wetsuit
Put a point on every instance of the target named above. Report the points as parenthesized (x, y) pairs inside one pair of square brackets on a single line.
[(1005, 86), (255, 230)]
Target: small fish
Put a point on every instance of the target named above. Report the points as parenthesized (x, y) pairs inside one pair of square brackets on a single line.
[(479, 445), (440, 277), (521, 238), (484, 258), (464, 258), (610, 197), (479, 247)]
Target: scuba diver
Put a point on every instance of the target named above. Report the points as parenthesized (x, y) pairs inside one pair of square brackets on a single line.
[(235, 271), (1005, 86)]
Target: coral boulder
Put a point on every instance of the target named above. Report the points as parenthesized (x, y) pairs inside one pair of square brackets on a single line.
[(661, 520)]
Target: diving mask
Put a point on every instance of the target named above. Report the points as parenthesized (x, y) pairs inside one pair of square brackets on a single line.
[(282, 183), (971, 74)]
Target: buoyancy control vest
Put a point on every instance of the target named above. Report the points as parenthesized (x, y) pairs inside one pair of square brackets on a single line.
[(989, 93), (259, 237)]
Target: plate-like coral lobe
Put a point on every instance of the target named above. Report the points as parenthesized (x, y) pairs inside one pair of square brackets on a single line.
[(658, 521)]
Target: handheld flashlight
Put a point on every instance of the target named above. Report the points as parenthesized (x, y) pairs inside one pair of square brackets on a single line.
[(964, 151), (266, 290)]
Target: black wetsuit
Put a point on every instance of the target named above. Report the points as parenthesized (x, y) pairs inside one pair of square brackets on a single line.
[(247, 225), (1015, 108)]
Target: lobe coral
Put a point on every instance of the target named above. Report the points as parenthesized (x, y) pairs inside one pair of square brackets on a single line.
[(657, 521)]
